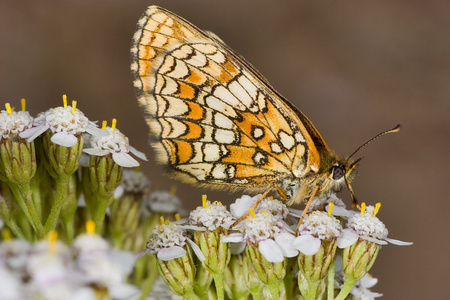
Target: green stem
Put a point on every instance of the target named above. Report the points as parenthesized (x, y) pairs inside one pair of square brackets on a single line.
[(61, 192), (147, 287), (274, 290), (98, 212), (218, 281), (330, 285), (15, 229), (346, 288), (191, 296), (23, 195), (36, 196), (256, 295), (311, 294)]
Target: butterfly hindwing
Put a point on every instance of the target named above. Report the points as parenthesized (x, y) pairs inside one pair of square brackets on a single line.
[(213, 118)]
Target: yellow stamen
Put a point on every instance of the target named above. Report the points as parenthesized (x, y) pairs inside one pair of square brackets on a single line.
[(363, 208), (203, 201), (173, 190), (6, 234), (104, 124), (177, 217), (90, 227), (136, 169), (74, 106), (377, 208), (252, 212), (8, 108), (161, 220), (114, 123), (52, 236), (330, 208), (23, 103), (64, 100)]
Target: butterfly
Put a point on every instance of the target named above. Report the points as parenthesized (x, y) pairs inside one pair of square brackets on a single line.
[(217, 122)]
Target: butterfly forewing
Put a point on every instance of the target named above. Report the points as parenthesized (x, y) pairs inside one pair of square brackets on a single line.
[(213, 118)]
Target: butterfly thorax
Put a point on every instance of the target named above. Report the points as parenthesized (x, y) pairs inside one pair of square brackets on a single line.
[(334, 174)]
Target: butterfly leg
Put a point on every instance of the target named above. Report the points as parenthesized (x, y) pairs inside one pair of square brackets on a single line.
[(307, 207), (254, 205)]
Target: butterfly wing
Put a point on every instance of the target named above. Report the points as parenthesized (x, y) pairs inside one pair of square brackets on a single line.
[(213, 118)]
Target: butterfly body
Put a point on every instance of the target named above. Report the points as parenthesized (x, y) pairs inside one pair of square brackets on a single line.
[(216, 122)]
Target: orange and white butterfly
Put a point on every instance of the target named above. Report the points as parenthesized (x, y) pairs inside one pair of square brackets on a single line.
[(217, 122)]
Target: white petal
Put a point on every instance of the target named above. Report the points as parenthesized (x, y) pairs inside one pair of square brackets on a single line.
[(285, 241), (347, 238), (339, 211), (374, 240), (270, 250), (398, 243), (138, 154), (141, 253), (96, 131), (96, 151), (237, 248), (196, 249), (64, 139), (233, 238), (242, 205), (307, 244), (368, 281), (171, 253), (118, 192), (125, 160), (33, 132)]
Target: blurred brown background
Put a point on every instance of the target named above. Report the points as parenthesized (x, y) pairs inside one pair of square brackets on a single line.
[(354, 68)]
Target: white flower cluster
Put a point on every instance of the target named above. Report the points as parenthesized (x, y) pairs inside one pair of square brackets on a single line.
[(52, 270), (12, 124), (211, 216)]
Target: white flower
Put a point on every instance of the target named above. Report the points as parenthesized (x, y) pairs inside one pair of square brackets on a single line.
[(168, 241), (366, 226), (64, 124), (132, 182), (162, 202), (269, 234), (242, 205), (211, 216), (315, 227), (117, 144), (14, 123), (361, 289), (100, 265)]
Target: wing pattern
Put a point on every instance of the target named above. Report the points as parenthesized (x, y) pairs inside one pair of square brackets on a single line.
[(212, 117)]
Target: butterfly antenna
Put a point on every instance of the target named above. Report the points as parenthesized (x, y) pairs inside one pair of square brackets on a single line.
[(395, 129)]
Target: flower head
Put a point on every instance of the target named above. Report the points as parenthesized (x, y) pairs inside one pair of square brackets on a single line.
[(268, 233), (168, 242), (316, 227), (117, 144), (162, 202), (13, 123), (368, 227), (65, 123), (211, 216)]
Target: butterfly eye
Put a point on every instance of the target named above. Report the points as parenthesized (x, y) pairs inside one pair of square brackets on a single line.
[(338, 172)]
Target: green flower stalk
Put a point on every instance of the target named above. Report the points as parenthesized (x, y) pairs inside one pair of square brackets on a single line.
[(109, 154), (361, 243), (175, 262), (62, 144), (317, 245), (234, 279), (126, 209), (18, 163), (213, 220), (254, 284)]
